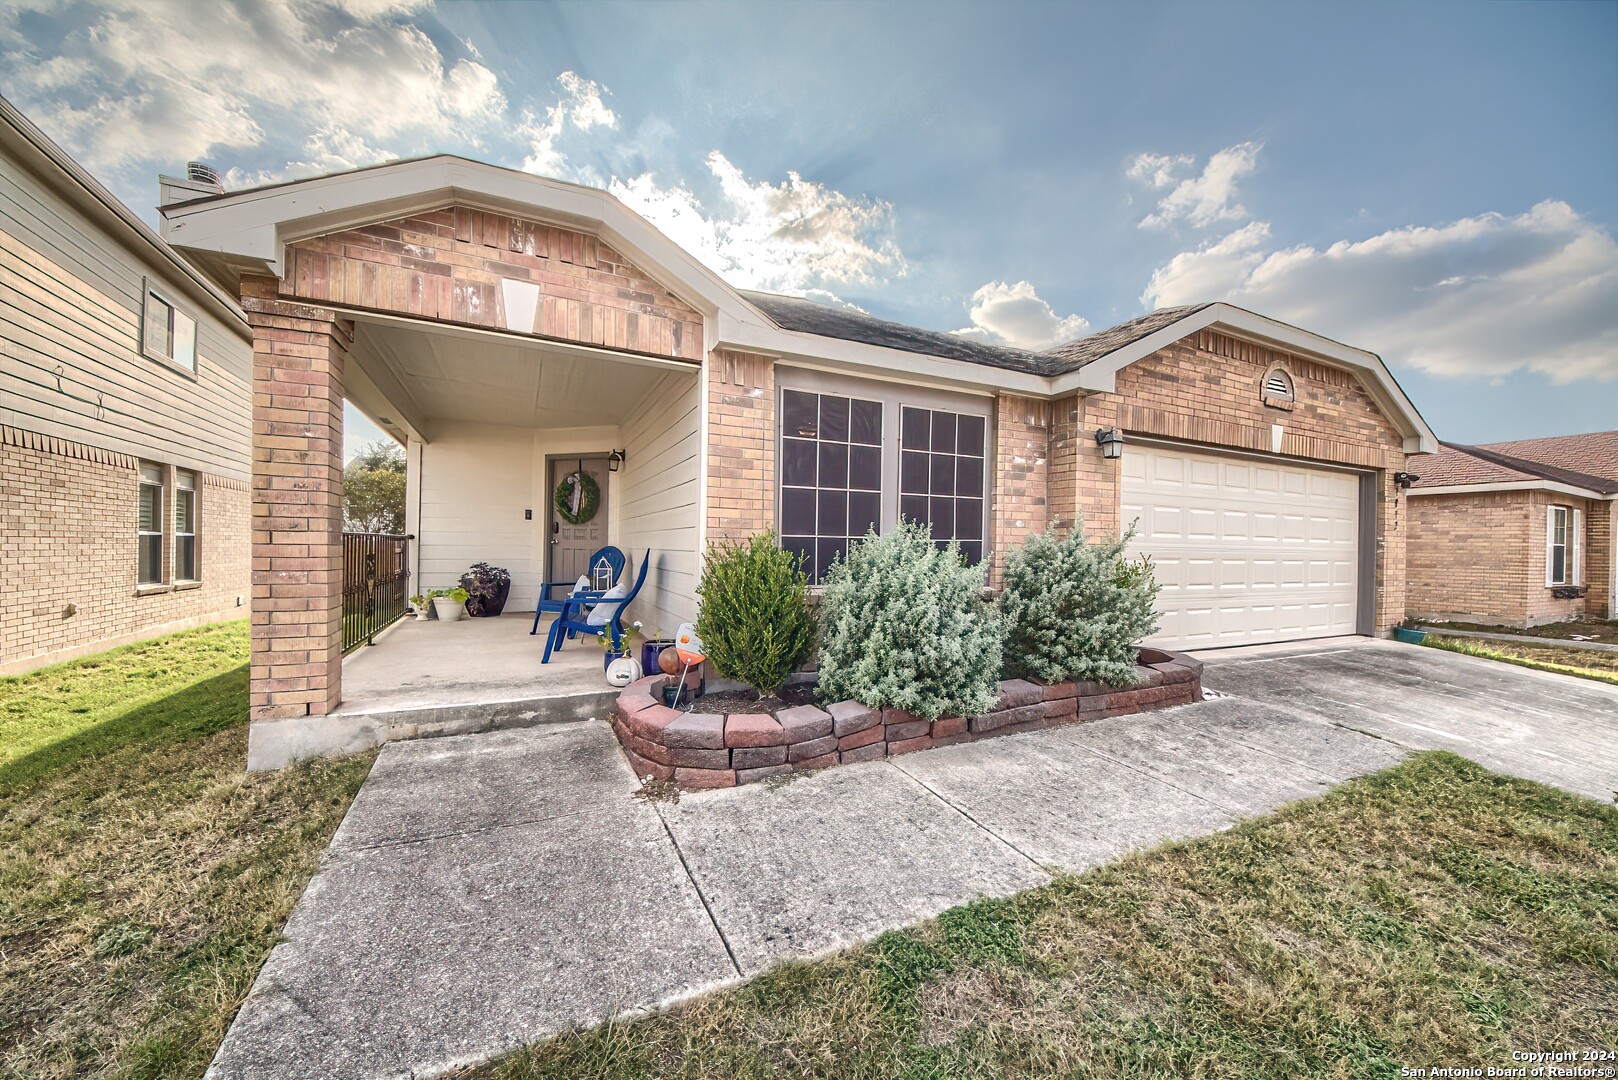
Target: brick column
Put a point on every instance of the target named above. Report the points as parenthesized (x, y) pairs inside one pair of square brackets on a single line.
[(741, 444), (1022, 429), (297, 637), (1393, 523), (1098, 483)]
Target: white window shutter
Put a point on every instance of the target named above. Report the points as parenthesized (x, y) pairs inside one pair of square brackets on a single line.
[(1575, 549), (1550, 543)]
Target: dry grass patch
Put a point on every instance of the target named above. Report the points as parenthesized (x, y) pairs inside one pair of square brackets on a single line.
[(143, 875), (1435, 913), (1594, 664)]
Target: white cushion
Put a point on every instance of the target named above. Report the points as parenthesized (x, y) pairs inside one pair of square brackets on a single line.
[(602, 613), (581, 585)]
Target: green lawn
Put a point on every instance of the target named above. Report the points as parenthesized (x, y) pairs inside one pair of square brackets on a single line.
[(1433, 914), (143, 875)]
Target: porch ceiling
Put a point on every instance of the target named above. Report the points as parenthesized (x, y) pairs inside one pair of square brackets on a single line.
[(430, 374)]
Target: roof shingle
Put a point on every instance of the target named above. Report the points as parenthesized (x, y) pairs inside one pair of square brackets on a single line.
[(1455, 464), (1075, 354)]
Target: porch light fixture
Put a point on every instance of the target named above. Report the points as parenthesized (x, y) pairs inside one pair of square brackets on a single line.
[(615, 459), (1405, 480), (1111, 441)]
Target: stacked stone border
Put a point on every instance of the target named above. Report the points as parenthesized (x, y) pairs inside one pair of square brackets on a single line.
[(712, 750)]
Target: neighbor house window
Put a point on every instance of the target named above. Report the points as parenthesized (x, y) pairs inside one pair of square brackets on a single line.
[(942, 476), (168, 333), (149, 528), (831, 475), (1562, 527), (185, 526)]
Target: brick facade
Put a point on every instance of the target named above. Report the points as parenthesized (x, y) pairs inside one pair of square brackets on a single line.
[(68, 512), (1480, 557), (451, 266), (1021, 482), (298, 354), (741, 445)]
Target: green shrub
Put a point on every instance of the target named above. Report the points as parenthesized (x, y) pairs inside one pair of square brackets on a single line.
[(1074, 608), (754, 619), (904, 624)]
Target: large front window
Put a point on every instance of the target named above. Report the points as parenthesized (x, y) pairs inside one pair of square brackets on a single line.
[(857, 456)]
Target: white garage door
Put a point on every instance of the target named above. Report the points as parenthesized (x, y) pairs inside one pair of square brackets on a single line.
[(1247, 551)]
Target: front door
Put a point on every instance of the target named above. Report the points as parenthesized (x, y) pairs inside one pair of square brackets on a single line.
[(571, 544)]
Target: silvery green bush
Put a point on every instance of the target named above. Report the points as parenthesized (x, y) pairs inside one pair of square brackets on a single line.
[(754, 620), (904, 624), (1074, 609)]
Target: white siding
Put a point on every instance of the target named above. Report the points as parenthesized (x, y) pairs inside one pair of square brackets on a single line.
[(658, 508), (70, 305)]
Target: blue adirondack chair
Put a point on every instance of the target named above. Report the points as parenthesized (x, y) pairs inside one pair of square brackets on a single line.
[(573, 616), (548, 601)]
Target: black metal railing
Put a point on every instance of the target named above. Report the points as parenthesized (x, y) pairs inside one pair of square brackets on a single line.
[(376, 584)]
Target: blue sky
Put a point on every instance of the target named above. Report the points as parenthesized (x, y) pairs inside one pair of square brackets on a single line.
[(1435, 182)]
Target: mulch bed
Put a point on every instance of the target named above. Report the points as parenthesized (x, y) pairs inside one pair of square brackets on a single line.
[(746, 701)]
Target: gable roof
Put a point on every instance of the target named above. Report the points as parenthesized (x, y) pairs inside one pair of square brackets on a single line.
[(249, 231), (1485, 467), (1081, 351)]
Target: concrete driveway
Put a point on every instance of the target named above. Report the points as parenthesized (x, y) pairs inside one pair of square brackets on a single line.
[(489, 890)]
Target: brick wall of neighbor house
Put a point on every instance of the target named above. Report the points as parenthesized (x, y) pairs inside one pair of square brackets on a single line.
[(1600, 569), (1205, 389), (450, 265), (68, 513), (741, 445), (1543, 607), (1466, 557), (298, 354)]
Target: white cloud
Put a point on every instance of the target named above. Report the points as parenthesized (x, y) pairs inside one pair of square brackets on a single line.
[(132, 81), (827, 298), (790, 237), (1485, 295), (1201, 200), (580, 108), (1014, 315)]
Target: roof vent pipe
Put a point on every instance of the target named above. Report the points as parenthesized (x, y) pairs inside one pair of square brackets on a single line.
[(203, 173)]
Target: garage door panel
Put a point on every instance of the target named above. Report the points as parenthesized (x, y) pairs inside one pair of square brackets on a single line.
[(1246, 551)]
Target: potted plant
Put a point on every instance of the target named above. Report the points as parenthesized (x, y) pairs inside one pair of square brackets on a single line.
[(450, 604), (620, 664), (1409, 633), (487, 587), (418, 604)]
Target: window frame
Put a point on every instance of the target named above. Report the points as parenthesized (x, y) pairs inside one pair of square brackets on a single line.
[(894, 397), (1572, 525), (150, 291), (159, 514), (188, 481)]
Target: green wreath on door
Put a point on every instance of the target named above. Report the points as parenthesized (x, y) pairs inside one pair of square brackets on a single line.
[(577, 498)]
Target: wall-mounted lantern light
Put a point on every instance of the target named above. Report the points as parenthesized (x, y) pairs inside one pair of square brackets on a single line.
[(615, 459), (1111, 441)]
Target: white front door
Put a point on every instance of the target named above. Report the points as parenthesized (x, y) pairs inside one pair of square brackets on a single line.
[(1247, 550)]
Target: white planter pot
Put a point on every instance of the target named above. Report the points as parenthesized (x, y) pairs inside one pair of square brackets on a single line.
[(422, 613), (623, 671), (448, 610)]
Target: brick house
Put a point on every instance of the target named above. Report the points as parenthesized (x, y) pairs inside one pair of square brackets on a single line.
[(125, 420), (1516, 533), (510, 329)]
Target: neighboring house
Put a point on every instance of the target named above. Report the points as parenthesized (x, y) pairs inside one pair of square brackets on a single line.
[(125, 420), (1517, 533), (511, 330)]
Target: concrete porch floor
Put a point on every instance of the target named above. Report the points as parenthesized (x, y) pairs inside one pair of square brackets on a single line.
[(436, 678)]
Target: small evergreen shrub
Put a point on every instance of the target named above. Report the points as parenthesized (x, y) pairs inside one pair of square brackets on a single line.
[(754, 617), (1074, 609), (904, 624)]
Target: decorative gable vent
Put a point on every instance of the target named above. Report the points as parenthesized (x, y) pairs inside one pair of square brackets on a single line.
[(1278, 389)]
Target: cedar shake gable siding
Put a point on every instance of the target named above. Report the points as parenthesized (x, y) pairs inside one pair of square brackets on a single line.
[(448, 266)]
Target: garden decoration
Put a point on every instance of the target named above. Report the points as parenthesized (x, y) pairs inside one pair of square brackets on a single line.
[(487, 587), (418, 604), (578, 497)]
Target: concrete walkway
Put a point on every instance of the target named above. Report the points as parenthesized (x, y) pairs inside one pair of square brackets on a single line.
[(489, 890), (1523, 639)]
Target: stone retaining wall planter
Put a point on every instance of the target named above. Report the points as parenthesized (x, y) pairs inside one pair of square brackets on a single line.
[(706, 750)]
